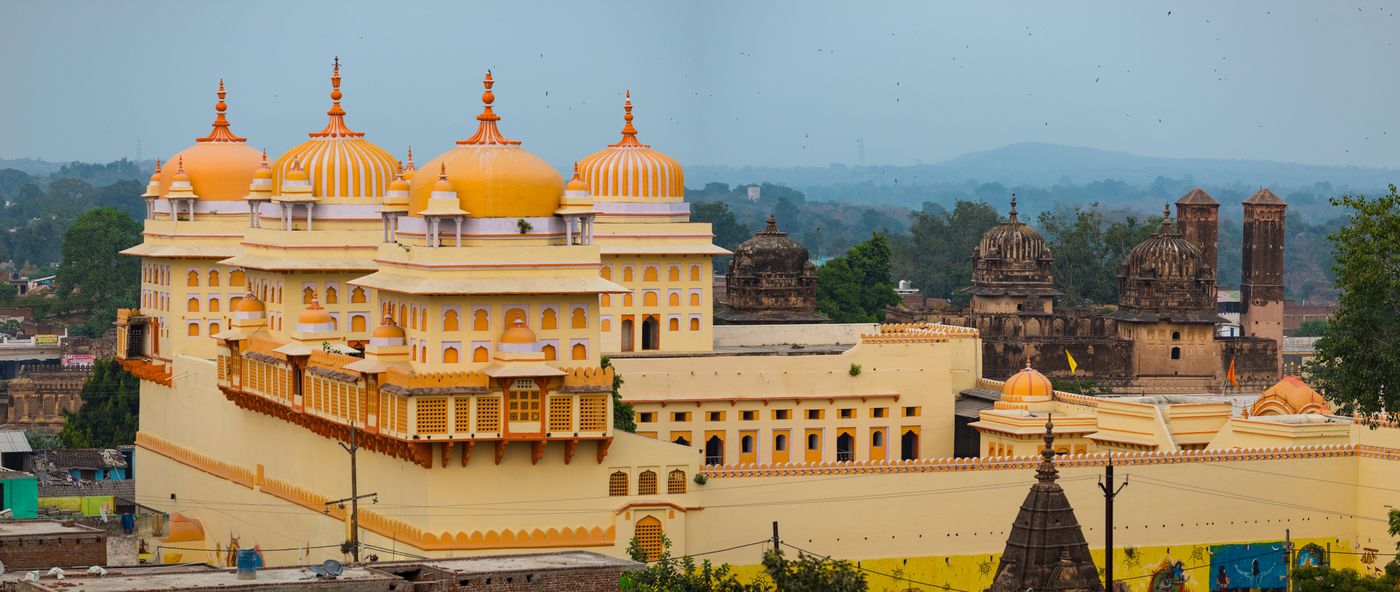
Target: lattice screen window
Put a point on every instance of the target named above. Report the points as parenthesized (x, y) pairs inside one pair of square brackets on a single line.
[(432, 416), (335, 400), (649, 537), (401, 414), (561, 414), (462, 414), (593, 413), (488, 414), (617, 484), (646, 483), (675, 482)]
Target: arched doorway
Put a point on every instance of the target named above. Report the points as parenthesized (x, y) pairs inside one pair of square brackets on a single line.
[(651, 333), (845, 448), (626, 335), (714, 451), (909, 445)]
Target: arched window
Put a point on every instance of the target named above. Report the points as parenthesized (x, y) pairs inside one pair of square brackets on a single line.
[(579, 318), (877, 438), (675, 324), (193, 278), (714, 450), (607, 272), (403, 319), (694, 273), (213, 277), (214, 328), (580, 352), (423, 317), (746, 444), (449, 320), (449, 355), (648, 535), (357, 295), (549, 320), (192, 330), (674, 273), (605, 300), (480, 320), (627, 299), (357, 324), (192, 305), (1176, 353), (480, 355), (649, 299), (235, 278), (646, 483), (617, 484), (1176, 335), (845, 447), (306, 295), (695, 299), (695, 324), (674, 299), (780, 442), (548, 351), (814, 442), (649, 274), (513, 315), (332, 296), (675, 482), (413, 317), (627, 274), (606, 325)]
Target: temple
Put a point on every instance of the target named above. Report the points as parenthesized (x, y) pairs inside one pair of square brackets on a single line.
[(467, 319)]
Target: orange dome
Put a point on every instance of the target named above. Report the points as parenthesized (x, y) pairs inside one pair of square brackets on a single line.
[(493, 176), (1028, 384), (249, 303), (518, 334), (220, 166), (630, 168), (1290, 396), (388, 330), (338, 160), (313, 314), (264, 168), (576, 183)]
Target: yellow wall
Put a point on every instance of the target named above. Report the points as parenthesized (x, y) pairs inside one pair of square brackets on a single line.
[(694, 300)]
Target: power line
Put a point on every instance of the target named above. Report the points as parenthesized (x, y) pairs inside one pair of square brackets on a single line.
[(260, 550), (688, 555), (880, 573), (1241, 497)]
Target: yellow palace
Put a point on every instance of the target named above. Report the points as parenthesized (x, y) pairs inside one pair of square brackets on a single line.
[(454, 313)]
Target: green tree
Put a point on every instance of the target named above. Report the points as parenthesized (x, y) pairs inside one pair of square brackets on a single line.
[(936, 255), (1313, 328), (809, 573), (94, 277), (1089, 251), (110, 404), (1357, 365), (624, 418), (856, 287), (729, 233), (671, 574)]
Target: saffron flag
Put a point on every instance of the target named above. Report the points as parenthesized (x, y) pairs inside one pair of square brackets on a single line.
[(1073, 365), (1234, 382)]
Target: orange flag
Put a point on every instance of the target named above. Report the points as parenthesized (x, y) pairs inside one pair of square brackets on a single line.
[(1234, 382)]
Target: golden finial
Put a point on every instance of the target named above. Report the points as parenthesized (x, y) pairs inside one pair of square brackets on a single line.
[(221, 132), (399, 174), (629, 133), (442, 173), (486, 130), (180, 168), (336, 126), (410, 168), (157, 166), (577, 177)]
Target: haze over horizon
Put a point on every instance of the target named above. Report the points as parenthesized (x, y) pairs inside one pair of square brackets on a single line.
[(717, 83)]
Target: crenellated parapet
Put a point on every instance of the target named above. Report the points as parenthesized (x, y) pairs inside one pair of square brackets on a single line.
[(424, 383), (918, 333), (588, 379)]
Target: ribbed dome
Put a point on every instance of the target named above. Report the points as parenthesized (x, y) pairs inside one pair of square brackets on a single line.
[(1012, 260), (1027, 385), (630, 168), (770, 251), (1290, 396), (1165, 255), (1012, 240), (339, 161), (220, 165), (493, 176)]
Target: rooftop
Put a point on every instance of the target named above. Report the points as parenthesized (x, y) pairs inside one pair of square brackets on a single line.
[(32, 528)]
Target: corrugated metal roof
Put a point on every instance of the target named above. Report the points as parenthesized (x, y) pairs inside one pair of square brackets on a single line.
[(14, 441)]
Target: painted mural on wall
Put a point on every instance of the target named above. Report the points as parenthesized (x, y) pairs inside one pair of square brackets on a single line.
[(1248, 567)]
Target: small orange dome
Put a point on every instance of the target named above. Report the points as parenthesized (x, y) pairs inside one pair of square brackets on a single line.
[(180, 175), (388, 329), (264, 169), (1028, 384), (442, 183), (518, 334), (296, 173), (314, 315), (155, 176), (1290, 396), (576, 183), (249, 303)]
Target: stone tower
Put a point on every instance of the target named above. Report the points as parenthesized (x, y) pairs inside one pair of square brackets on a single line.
[(1261, 268), (1198, 219)]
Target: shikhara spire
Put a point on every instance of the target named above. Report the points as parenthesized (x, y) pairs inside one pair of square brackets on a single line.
[(221, 131)]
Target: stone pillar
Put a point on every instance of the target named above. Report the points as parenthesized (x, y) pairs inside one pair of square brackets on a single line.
[(1198, 220), (1261, 269)]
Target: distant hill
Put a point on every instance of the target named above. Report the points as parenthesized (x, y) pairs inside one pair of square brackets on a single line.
[(1039, 164)]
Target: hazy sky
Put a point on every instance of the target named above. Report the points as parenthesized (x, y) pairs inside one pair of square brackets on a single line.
[(714, 82)]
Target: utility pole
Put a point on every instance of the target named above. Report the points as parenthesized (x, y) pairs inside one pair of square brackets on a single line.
[(1109, 493), (1288, 559), (778, 579), (353, 545)]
